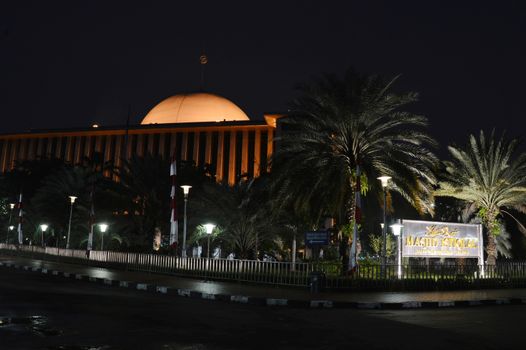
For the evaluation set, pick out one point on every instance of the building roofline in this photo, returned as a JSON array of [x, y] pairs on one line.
[[139, 127]]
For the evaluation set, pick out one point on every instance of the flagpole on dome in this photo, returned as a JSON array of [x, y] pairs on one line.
[[203, 60]]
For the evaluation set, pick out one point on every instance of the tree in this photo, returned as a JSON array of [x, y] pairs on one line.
[[142, 196], [51, 203], [26, 178], [375, 242], [339, 128], [490, 177], [241, 213], [200, 237]]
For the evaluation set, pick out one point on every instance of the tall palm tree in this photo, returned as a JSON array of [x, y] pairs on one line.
[[342, 130], [455, 210], [490, 177]]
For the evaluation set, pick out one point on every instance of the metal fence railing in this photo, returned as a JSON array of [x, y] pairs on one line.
[[282, 273], [416, 275]]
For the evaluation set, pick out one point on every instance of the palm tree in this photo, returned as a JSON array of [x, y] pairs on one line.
[[490, 177], [51, 202], [27, 177], [455, 210], [199, 236], [241, 213], [342, 130], [142, 198]]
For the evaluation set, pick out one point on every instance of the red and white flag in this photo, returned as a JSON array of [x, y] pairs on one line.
[[174, 230]]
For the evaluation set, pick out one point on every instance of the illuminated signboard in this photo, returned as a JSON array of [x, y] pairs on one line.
[[428, 239]]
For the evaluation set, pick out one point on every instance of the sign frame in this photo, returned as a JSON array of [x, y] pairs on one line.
[[479, 236]]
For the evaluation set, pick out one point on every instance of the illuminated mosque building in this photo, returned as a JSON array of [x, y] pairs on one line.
[[201, 127]]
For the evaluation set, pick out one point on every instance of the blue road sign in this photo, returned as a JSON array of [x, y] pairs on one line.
[[316, 238]]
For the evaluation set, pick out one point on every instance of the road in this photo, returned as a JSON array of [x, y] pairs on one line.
[[74, 314]]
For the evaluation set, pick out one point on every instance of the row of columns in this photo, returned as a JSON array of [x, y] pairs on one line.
[[30, 147]]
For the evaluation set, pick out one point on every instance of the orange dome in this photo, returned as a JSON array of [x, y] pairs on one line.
[[194, 108]]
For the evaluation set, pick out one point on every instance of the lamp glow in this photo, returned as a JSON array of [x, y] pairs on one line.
[[209, 228], [72, 199], [186, 189], [397, 228], [12, 205], [103, 227], [44, 227], [384, 180], [11, 228]]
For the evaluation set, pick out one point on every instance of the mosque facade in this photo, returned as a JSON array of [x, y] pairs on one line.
[[200, 127]]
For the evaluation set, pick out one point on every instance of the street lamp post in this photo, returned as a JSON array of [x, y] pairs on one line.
[[385, 182], [103, 228], [72, 200], [43, 229], [380, 252], [10, 228], [209, 228], [397, 230], [186, 190], [11, 207]]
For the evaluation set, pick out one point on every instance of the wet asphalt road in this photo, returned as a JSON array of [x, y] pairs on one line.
[[81, 315]]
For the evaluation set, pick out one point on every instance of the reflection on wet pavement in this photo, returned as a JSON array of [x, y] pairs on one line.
[[35, 324], [39, 326]]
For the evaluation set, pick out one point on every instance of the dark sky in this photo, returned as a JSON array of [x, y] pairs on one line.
[[69, 64]]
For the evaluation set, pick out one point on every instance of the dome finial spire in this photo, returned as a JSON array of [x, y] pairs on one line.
[[203, 60]]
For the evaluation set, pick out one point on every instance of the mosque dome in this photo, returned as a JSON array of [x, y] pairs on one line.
[[194, 108]]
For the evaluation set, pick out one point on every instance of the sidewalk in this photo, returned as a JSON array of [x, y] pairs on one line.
[[266, 295]]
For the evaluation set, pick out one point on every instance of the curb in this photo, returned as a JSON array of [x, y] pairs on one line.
[[272, 302]]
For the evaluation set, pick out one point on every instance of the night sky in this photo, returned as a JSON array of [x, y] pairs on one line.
[[69, 64]]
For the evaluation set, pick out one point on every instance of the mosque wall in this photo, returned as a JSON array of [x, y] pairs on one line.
[[231, 151]]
